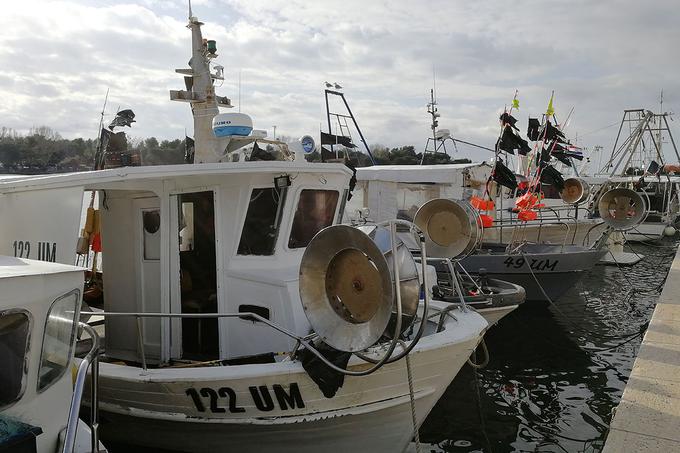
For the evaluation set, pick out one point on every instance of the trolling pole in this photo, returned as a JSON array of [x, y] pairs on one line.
[[98, 154], [351, 116]]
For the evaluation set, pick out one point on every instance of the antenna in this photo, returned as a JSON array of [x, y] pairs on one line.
[[434, 82], [239, 90], [99, 156]]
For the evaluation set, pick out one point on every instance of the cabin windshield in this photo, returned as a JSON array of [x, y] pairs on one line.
[[14, 331], [263, 219], [411, 196], [57, 347], [315, 211]]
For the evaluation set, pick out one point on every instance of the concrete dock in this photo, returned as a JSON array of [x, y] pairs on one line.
[[648, 417]]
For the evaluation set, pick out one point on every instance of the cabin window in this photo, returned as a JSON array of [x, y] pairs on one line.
[[57, 346], [315, 211], [186, 223], [261, 226], [198, 274], [14, 336], [151, 220]]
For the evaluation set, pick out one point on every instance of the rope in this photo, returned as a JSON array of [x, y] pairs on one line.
[[633, 289], [576, 326], [485, 362], [416, 434], [482, 422]]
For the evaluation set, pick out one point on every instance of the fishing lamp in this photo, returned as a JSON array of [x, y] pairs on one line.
[[281, 182], [212, 46]]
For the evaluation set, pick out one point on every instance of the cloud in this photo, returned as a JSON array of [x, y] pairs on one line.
[[599, 57]]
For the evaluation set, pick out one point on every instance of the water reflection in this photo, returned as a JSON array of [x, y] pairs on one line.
[[556, 372]]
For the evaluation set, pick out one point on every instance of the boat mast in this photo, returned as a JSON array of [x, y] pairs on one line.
[[200, 93]]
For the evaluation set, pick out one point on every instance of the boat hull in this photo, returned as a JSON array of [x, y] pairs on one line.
[[556, 271], [277, 407], [646, 232], [582, 232], [495, 314]]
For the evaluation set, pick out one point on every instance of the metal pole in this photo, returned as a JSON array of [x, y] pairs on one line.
[[72, 424], [610, 162], [140, 340], [328, 117], [94, 402], [675, 148], [357, 126]]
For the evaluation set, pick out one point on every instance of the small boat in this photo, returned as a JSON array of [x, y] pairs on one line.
[[545, 271], [403, 189], [39, 308], [492, 298]]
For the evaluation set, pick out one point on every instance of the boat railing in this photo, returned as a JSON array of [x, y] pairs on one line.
[[248, 316], [306, 341], [519, 229], [91, 360]]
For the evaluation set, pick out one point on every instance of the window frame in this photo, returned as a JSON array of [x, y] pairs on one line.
[[279, 219], [72, 348], [24, 377], [298, 194]]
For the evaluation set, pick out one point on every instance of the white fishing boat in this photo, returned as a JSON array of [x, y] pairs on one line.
[[238, 312], [638, 162], [522, 255], [39, 305]]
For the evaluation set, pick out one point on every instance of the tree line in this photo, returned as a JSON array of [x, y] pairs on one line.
[[44, 150]]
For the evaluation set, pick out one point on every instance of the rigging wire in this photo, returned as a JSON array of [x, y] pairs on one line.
[[576, 326]]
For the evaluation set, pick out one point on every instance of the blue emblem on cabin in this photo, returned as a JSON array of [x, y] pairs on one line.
[[308, 144]]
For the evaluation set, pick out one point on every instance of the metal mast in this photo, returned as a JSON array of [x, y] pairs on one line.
[[200, 93], [643, 123]]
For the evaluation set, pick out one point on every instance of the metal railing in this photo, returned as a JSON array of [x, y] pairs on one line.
[[306, 341], [91, 359]]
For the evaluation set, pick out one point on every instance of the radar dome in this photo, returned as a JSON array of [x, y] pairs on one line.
[[230, 124]]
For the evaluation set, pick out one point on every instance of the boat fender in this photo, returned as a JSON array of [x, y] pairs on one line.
[[328, 380], [669, 231], [89, 220]]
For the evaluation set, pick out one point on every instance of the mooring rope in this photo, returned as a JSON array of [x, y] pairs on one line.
[[485, 362], [628, 337], [416, 434]]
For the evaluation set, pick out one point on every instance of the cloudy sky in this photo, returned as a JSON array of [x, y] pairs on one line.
[[57, 59]]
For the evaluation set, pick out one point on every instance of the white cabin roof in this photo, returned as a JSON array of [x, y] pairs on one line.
[[159, 172], [415, 173], [20, 267]]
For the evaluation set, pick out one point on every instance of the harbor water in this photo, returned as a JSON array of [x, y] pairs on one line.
[[556, 372]]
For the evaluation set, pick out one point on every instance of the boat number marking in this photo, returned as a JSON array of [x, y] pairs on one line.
[[261, 396], [46, 251], [536, 265]]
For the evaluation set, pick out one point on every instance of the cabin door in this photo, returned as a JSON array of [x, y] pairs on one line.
[[148, 275], [195, 264]]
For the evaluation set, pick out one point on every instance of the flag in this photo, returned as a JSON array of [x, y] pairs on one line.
[[551, 110], [123, 118], [515, 103], [189, 149]]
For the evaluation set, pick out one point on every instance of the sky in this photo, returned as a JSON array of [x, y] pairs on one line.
[[58, 58]]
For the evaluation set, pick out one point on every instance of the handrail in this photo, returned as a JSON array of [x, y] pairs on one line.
[[91, 358], [306, 340]]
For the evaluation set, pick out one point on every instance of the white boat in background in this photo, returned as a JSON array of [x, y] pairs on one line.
[[238, 311], [638, 162], [39, 306]]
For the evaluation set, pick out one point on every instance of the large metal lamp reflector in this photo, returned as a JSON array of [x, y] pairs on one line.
[[345, 288], [622, 209], [451, 227]]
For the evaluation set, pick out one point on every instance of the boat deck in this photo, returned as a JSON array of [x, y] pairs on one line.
[[648, 417]]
